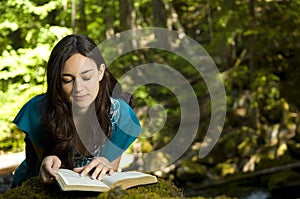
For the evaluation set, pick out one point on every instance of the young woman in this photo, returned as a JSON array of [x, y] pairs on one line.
[[81, 122]]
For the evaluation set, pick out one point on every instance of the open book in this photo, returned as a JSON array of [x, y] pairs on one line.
[[72, 181]]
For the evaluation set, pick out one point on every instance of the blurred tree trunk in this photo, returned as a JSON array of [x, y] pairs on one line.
[[252, 61], [73, 16], [127, 22], [82, 18], [108, 8], [127, 15], [159, 13]]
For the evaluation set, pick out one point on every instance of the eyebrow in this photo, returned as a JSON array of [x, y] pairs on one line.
[[82, 73]]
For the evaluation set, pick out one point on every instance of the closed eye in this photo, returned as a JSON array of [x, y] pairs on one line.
[[67, 79], [87, 75], [86, 78]]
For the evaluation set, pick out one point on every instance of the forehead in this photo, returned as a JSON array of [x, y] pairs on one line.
[[78, 63]]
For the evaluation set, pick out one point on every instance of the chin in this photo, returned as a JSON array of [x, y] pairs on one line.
[[81, 106]]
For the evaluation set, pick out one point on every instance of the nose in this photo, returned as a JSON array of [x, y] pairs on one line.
[[77, 87]]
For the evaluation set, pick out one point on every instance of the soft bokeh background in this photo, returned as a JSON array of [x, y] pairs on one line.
[[254, 43]]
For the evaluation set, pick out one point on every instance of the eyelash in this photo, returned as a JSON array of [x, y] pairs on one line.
[[69, 81], [86, 78]]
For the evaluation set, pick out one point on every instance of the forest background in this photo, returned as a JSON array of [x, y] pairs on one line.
[[254, 44]]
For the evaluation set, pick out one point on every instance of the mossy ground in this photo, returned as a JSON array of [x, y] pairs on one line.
[[33, 188]]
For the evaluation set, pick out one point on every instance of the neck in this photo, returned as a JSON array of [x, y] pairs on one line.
[[85, 118], [88, 128], [80, 112]]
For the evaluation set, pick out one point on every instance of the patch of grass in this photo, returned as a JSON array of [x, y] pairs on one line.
[[33, 188]]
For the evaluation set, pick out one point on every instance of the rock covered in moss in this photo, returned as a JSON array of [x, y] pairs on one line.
[[191, 171], [33, 188]]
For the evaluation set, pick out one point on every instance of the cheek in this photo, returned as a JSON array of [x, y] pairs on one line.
[[67, 89], [93, 88], [96, 87]]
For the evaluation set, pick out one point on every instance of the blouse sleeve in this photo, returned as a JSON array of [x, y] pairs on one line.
[[29, 119], [126, 128]]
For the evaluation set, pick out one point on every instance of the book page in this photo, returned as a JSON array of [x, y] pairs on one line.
[[72, 178], [72, 181], [123, 176]]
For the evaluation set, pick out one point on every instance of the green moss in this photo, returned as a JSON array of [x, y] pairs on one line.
[[33, 188], [163, 189], [191, 171]]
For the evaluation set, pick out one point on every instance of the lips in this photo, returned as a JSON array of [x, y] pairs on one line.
[[79, 97]]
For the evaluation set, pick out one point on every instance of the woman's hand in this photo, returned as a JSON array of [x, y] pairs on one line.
[[49, 168], [100, 167]]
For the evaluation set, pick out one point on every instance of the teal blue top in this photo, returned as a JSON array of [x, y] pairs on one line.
[[125, 129]]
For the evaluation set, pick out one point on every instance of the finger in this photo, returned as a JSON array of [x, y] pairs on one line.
[[103, 173], [43, 178], [78, 169], [98, 169], [56, 165], [52, 173], [47, 179], [111, 171], [45, 173], [48, 168], [89, 167]]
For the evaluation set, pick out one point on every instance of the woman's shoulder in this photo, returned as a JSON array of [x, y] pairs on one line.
[[35, 101], [28, 118], [126, 128], [40, 98], [31, 109], [115, 109], [119, 107], [124, 117]]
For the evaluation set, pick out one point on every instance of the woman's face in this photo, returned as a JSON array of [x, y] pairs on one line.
[[80, 80]]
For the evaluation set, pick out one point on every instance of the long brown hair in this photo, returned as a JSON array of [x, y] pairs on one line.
[[57, 118]]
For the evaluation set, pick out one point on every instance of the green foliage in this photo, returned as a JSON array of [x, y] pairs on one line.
[[25, 50], [13, 141]]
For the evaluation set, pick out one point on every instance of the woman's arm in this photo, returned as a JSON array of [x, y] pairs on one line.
[[49, 165], [101, 166], [38, 150]]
